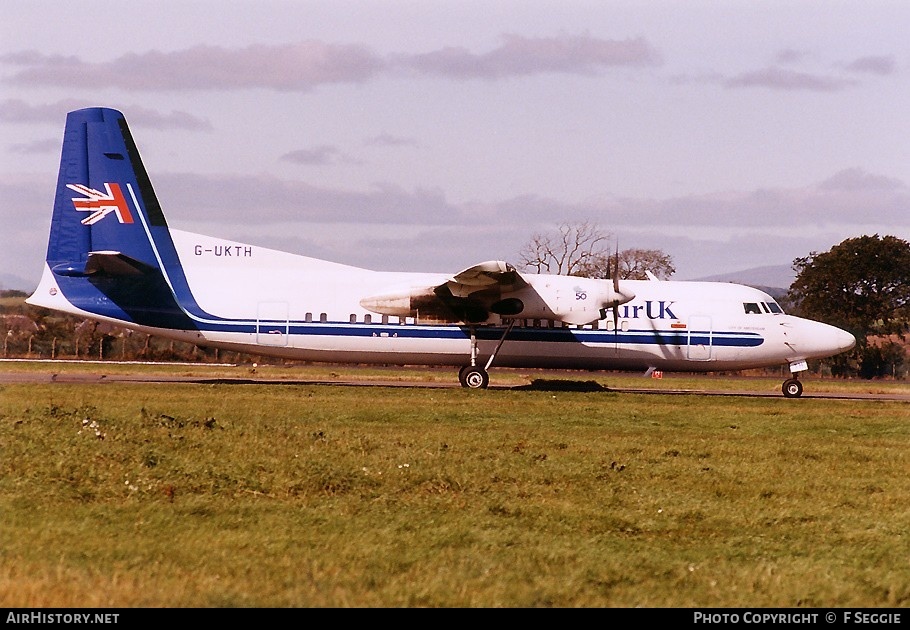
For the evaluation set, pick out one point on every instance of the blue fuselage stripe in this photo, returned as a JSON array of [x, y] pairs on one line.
[[555, 335]]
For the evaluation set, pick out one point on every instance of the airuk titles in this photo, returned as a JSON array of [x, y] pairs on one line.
[[224, 251], [658, 309]]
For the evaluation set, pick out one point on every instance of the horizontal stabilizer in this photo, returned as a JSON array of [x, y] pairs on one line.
[[106, 263], [115, 264]]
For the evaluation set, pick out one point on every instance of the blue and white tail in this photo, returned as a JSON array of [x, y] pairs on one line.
[[110, 255]]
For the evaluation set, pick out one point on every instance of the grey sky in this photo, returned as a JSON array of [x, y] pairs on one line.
[[433, 135]]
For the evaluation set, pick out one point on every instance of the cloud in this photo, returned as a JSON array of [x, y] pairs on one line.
[[856, 179], [447, 249], [812, 206], [320, 155], [882, 66], [26, 198], [521, 56], [850, 199], [51, 145], [776, 77], [145, 117], [373, 227], [18, 111], [306, 65], [780, 79], [791, 56], [267, 200], [287, 67], [388, 140]]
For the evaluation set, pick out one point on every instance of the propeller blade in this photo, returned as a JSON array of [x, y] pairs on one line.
[[615, 273]]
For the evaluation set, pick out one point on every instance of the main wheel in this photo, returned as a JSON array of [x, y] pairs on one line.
[[473, 377], [792, 388]]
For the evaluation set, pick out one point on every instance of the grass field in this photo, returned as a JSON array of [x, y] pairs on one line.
[[268, 495]]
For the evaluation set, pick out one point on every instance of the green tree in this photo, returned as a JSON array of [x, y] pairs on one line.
[[861, 285], [634, 264]]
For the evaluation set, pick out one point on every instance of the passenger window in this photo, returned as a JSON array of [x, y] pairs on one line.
[[323, 318], [308, 317], [367, 319], [751, 308]]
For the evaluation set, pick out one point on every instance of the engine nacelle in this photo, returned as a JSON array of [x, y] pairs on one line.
[[567, 298], [561, 298], [424, 303], [402, 302]]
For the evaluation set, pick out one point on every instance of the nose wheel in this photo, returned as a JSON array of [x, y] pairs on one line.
[[792, 388]]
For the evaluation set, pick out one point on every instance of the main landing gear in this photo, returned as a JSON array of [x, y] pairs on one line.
[[473, 376]]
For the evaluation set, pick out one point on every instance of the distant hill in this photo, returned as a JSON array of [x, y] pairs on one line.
[[9, 281], [774, 280]]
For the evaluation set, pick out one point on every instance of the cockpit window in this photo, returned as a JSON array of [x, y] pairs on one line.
[[774, 307], [757, 308]]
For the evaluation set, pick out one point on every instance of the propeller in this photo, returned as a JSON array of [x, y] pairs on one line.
[[619, 296], [615, 274]]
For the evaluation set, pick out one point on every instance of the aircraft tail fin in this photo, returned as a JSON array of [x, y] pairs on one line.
[[109, 254], [104, 196]]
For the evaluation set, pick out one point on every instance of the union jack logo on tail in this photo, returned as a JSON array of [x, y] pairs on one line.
[[101, 204]]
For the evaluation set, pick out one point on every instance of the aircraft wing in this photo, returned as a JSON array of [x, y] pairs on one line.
[[469, 296], [490, 276]]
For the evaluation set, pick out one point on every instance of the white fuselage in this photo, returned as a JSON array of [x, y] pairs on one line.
[[302, 308]]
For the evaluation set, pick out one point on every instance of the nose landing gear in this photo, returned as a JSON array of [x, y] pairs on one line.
[[792, 388]]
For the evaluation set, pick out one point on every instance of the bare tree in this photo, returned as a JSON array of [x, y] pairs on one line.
[[572, 247], [583, 249]]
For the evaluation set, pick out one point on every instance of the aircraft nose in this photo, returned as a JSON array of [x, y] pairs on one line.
[[833, 340], [817, 340], [843, 340]]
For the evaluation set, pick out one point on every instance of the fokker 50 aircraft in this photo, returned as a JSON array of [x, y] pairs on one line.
[[112, 257]]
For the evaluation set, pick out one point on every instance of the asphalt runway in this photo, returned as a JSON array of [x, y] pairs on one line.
[[536, 385]]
